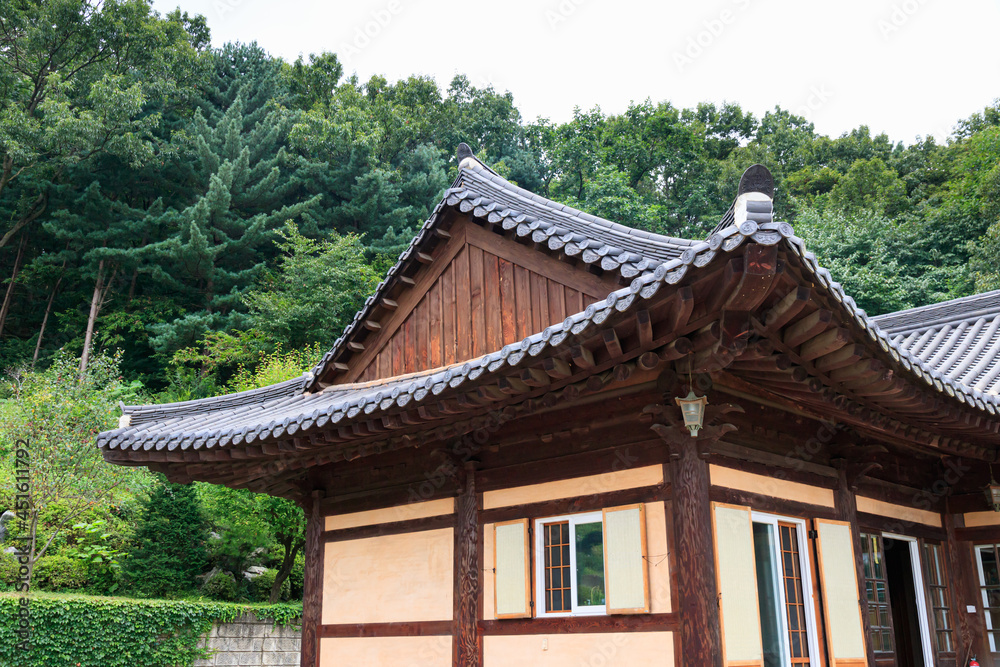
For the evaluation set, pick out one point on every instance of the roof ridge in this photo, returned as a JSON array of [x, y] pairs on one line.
[[903, 322]]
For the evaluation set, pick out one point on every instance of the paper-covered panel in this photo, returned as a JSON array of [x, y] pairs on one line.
[[626, 586], [737, 579], [840, 591], [512, 581]]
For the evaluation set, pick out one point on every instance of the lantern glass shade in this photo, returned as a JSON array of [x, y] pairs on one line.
[[693, 411], [993, 496]]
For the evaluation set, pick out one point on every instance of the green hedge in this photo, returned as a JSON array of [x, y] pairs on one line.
[[83, 631]]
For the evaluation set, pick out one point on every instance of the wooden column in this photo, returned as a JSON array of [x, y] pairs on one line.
[[466, 634], [691, 512], [312, 598], [964, 591], [847, 510], [698, 600]]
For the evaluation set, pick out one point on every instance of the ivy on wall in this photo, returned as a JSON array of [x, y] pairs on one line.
[[82, 631]]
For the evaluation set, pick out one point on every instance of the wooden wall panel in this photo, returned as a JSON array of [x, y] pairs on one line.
[[480, 302]]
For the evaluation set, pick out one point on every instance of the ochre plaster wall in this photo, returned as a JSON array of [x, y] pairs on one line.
[[578, 486], [976, 519], [391, 514], [377, 651], [770, 486], [394, 578], [881, 508], [580, 650], [656, 550]]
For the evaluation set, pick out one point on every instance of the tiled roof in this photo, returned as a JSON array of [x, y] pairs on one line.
[[960, 339], [212, 422], [288, 408]]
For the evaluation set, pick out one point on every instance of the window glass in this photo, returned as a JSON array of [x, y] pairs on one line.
[[572, 564], [989, 582], [768, 595], [877, 593], [590, 564], [937, 586]]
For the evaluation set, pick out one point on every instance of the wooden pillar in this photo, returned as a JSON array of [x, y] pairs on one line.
[[969, 630], [312, 598], [698, 600], [846, 503], [466, 597]]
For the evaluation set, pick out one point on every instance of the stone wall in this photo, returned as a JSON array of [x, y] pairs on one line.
[[251, 641]]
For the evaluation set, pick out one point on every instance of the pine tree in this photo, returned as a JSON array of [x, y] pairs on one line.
[[219, 244], [169, 547]]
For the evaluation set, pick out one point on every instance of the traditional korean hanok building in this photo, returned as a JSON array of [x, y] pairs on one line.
[[496, 469]]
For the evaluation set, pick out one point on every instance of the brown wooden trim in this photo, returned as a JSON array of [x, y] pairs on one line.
[[580, 624], [979, 534], [384, 498], [887, 524], [770, 504], [408, 629], [391, 528], [591, 503], [544, 265], [312, 599], [617, 458]]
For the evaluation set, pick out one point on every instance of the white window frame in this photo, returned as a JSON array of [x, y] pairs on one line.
[[918, 587], [801, 534], [575, 609], [986, 603]]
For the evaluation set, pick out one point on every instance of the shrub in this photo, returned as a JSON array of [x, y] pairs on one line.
[[259, 588], [59, 573], [222, 586], [169, 546]]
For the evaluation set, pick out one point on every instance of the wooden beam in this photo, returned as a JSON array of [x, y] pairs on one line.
[[644, 327], [612, 343], [557, 368], [807, 327], [825, 343], [786, 309], [582, 357]]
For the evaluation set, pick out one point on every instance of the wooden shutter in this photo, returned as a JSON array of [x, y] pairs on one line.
[[511, 558], [626, 581], [839, 578], [736, 574]]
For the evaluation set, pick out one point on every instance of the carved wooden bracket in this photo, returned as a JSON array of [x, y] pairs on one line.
[[858, 461], [669, 425]]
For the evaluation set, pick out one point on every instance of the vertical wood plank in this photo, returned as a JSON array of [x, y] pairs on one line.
[[421, 329], [463, 348], [557, 302], [449, 332], [508, 305], [466, 585], [312, 598], [534, 282], [540, 286], [434, 340], [478, 320], [384, 360], [409, 346], [574, 302], [491, 302], [398, 363], [522, 299]]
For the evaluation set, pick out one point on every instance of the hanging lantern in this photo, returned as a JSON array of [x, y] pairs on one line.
[[693, 411], [992, 492]]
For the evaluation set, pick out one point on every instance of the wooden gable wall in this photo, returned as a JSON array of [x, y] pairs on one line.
[[487, 292]]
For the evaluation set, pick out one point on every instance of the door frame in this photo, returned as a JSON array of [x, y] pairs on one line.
[[918, 589]]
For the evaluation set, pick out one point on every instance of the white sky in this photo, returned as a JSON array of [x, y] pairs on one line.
[[905, 67]]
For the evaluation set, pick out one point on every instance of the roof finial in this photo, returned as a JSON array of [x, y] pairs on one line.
[[757, 178], [464, 151]]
